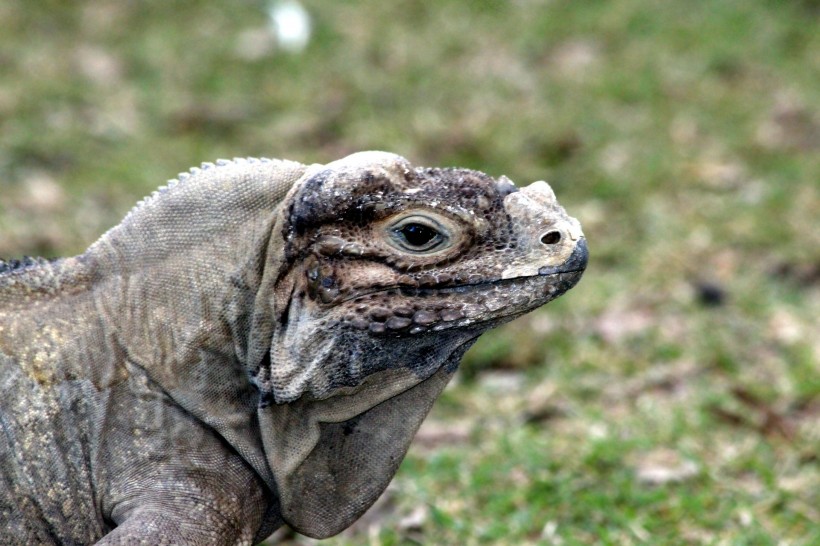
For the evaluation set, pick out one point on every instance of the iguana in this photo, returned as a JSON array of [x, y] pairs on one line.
[[256, 345]]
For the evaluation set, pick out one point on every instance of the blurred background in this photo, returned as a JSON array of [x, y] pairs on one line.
[[673, 397]]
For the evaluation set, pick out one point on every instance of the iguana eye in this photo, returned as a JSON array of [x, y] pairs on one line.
[[418, 234]]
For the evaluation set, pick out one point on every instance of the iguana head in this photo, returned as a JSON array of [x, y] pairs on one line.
[[386, 274], [380, 254]]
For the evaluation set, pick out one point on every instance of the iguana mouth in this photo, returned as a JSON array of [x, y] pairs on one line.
[[576, 263], [417, 291], [483, 285], [484, 304]]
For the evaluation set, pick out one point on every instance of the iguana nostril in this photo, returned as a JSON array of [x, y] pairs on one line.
[[551, 238]]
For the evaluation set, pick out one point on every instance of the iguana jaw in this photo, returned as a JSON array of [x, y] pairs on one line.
[[490, 301]]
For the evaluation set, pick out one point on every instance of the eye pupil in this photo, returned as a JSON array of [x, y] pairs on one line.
[[417, 234]]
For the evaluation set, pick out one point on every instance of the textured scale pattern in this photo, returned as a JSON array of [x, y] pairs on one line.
[[256, 344]]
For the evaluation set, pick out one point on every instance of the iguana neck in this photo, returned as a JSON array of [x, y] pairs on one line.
[[180, 267]]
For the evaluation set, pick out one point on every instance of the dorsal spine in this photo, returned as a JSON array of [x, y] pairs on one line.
[[7, 266]]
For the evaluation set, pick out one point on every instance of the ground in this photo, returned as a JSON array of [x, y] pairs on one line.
[[673, 397]]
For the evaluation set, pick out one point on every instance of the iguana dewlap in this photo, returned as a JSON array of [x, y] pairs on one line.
[[256, 344]]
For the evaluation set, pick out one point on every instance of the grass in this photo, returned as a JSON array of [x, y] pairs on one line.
[[673, 397]]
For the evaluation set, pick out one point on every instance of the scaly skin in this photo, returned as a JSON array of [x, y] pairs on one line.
[[255, 345]]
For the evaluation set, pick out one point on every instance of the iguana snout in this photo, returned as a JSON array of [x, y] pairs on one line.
[[550, 241]]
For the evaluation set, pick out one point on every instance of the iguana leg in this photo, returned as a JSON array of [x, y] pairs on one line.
[[157, 527], [169, 479], [198, 511]]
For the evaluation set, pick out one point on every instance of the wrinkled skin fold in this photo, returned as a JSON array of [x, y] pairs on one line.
[[257, 344]]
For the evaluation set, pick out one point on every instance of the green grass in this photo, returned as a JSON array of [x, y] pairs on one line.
[[684, 136]]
